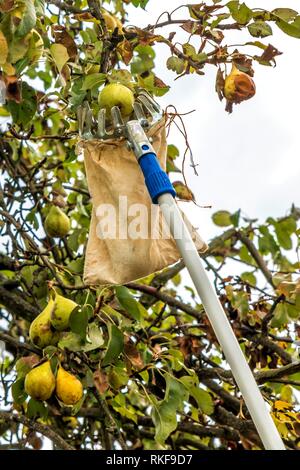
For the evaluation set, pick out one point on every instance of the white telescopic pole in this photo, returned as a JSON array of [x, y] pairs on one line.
[[222, 328]]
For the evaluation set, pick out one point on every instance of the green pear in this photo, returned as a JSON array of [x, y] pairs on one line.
[[40, 382], [116, 94], [40, 331], [57, 223], [61, 312]]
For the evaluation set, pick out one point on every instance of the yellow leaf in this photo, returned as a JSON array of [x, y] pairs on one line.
[[280, 405], [283, 430], [3, 48], [183, 192], [60, 55]]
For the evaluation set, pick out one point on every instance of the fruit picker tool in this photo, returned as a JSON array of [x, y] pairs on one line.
[[147, 113]]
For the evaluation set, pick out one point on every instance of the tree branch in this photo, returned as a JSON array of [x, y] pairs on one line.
[[66, 6], [258, 258], [168, 299], [216, 243], [191, 428], [15, 303], [38, 427], [17, 344]]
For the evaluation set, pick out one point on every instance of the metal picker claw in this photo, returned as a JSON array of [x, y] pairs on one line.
[[145, 110]]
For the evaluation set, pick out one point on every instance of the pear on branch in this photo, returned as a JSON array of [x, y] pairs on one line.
[[61, 312], [116, 94], [40, 382], [238, 87], [57, 223], [40, 331], [68, 388]]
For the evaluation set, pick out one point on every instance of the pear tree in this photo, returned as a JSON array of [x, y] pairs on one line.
[[135, 366]]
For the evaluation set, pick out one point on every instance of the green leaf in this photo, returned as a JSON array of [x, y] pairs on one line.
[[283, 237], [286, 14], [115, 344], [28, 19], [93, 80], [143, 62], [172, 151], [249, 277], [60, 55], [95, 337], [40, 7], [289, 225], [240, 12], [176, 64], [292, 29], [128, 302], [203, 399], [245, 255], [222, 218], [27, 273], [163, 413], [73, 342], [140, 3], [267, 243], [36, 409], [171, 167], [280, 317], [235, 218], [78, 321], [260, 29], [76, 265], [257, 44], [77, 95], [25, 364], [17, 390], [32, 218], [22, 113], [293, 311]]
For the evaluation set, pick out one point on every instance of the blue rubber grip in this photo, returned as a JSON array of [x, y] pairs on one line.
[[156, 180]]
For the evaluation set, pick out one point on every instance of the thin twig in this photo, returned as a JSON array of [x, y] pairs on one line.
[[38, 427]]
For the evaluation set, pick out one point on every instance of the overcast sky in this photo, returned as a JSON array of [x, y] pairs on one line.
[[249, 159]]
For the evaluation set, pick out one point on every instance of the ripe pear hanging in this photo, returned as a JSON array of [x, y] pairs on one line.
[[57, 223], [40, 382], [116, 94], [40, 331], [238, 86], [61, 312], [68, 387]]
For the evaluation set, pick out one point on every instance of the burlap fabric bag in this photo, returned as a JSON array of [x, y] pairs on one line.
[[113, 173]]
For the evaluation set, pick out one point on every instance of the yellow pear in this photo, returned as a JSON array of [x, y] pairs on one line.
[[68, 387], [40, 382], [238, 86], [57, 223], [116, 94], [40, 331], [61, 312]]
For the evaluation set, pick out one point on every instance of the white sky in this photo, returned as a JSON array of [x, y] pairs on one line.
[[249, 159]]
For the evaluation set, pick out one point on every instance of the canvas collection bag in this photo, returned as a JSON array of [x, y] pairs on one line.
[[115, 179]]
